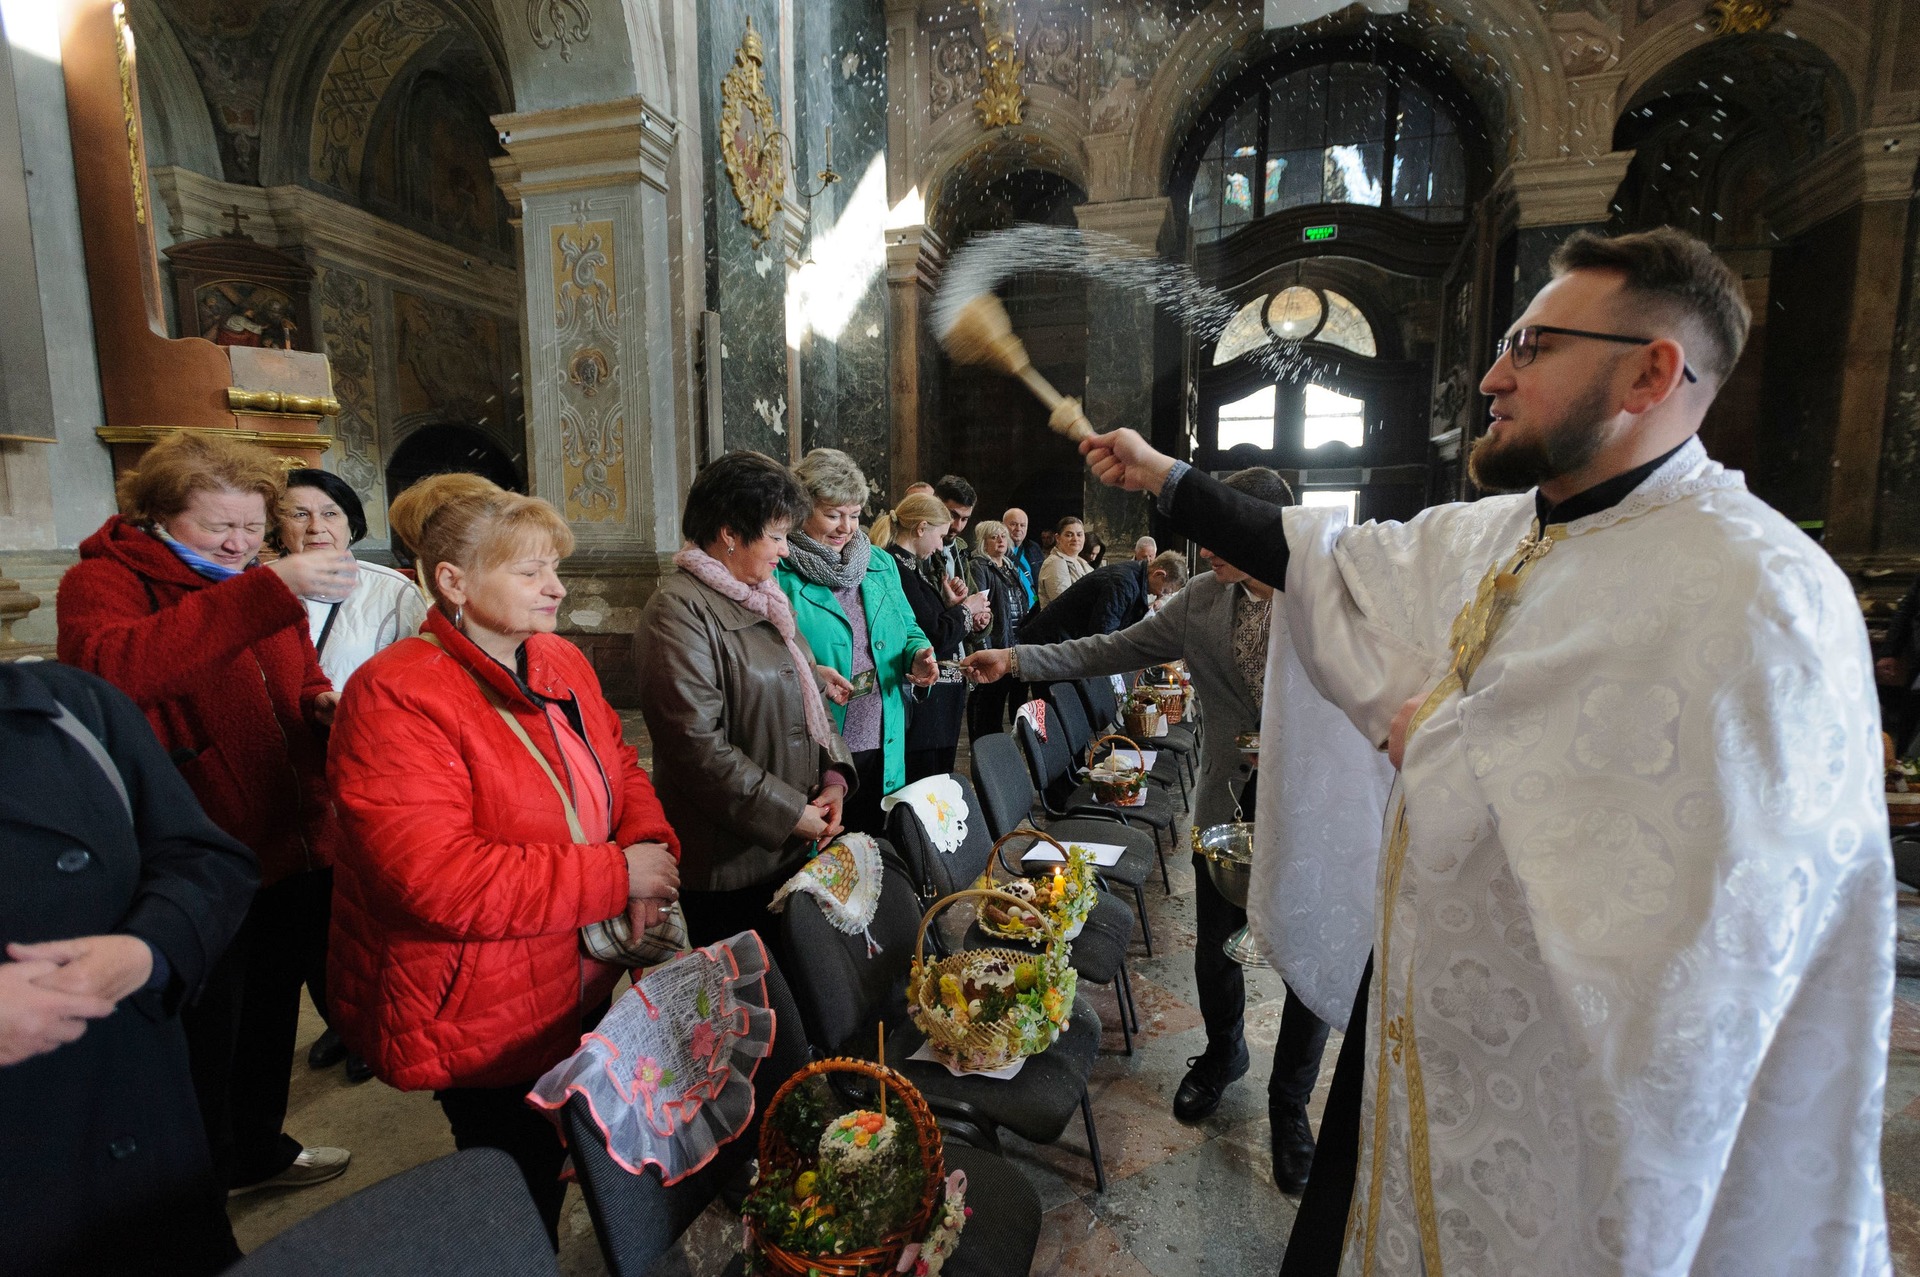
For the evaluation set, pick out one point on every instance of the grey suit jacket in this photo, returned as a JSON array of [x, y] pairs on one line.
[[1195, 625]]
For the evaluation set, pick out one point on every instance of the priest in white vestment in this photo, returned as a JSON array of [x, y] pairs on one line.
[[1633, 922]]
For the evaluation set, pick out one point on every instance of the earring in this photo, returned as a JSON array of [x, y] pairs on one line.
[[729, 547], [459, 615]]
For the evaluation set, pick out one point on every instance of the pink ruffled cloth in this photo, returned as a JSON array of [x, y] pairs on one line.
[[668, 1074]]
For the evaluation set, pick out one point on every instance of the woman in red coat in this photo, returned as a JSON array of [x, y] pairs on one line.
[[464, 761], [167, 604]]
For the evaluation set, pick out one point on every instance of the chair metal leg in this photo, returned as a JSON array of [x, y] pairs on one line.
[[1093, 1143], [1140, 907], [1126, 987], [1120, 1002], [1166, 882]]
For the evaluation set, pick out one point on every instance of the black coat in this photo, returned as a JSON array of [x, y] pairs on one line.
[[1104, 601], [1006, 596], [936, 720], [103, 1159]]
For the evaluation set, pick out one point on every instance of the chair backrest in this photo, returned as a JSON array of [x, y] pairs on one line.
[[1001, 778], [841, 989], [1102, 706], [1050, 763], [636, 1217], [938, 873], [469, 1212], [1072, 717]]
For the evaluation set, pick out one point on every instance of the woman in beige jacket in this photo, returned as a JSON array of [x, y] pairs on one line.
[[1063, 564]]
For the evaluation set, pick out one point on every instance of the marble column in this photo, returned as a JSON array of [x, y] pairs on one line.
[[1555, 198], [1120, 365], [589, 185], [1870, 176], [915, 258]]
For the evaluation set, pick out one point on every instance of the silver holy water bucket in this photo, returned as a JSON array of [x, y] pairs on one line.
[[1228, 851]]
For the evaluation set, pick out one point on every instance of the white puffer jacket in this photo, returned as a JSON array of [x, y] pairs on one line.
[[384, 608]]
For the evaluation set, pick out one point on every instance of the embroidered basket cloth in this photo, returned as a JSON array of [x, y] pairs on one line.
[[943, 812], [668, 1074], [845, 878]]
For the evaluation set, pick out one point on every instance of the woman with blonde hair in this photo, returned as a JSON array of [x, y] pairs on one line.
[[920, 524], [169, 604], [492, 810], [847, 600]]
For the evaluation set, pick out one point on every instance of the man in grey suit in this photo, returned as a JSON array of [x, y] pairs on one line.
[[1218, 624]]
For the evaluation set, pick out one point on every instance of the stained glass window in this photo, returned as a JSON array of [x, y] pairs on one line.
[[1347, 327], [1242, 333]]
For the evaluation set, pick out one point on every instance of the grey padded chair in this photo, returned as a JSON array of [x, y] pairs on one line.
[[638, 1219], [1099, 951], [1173, 767], [466, 1213], [1005, 786], [844, 991]]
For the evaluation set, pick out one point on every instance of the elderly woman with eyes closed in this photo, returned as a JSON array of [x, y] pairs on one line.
[[848, 603], [168, 603], [750, 768]]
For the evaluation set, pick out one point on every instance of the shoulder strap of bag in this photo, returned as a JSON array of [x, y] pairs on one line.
[[326, 631], [65, 720], [566, 800]]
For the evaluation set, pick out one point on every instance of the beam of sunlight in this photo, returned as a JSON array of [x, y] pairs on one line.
[[910, 211], [845, 259], [33, 26]]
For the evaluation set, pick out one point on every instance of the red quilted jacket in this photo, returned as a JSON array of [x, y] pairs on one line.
[[459, 895], [227, 676]]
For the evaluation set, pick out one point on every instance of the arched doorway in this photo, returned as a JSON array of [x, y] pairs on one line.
[[446, 448]]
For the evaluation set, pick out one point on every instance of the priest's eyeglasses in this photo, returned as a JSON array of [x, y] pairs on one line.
[[1525, 344]]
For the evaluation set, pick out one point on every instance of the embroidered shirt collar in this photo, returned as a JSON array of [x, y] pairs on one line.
[[1601, 496]]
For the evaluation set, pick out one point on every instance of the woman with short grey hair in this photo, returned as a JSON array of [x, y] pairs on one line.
[[848, 603]]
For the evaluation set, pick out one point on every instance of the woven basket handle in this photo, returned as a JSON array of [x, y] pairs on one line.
[[1038, 835], [1139, 755], [1025, 906]]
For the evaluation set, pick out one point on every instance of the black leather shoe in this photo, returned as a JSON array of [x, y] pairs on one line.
[[1207, 1079], [327, 1050], [1292, 1148], [358, 1070]]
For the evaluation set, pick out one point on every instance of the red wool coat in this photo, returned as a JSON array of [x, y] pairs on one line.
[[459, 895], [226, 674]]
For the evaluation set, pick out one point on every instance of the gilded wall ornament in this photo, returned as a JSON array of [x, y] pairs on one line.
[[561, 22], [1740, 17], [136, 164], [751, 143], [1001, 93], [588, 370]]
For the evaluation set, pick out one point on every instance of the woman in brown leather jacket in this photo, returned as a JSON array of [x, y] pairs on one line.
[[746, 760]]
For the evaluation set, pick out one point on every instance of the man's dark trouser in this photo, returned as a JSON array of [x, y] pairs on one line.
[[1223, 1000], [1320, 1227]]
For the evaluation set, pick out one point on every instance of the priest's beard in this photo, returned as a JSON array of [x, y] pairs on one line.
[[1513, 464]]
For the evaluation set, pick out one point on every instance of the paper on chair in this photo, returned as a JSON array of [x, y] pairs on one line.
[[1105, 854]]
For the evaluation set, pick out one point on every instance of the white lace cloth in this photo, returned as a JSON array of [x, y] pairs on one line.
[[943, 812], [668, 1073], [846, 878]]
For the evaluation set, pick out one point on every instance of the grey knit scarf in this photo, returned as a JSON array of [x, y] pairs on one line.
[[821, 565]]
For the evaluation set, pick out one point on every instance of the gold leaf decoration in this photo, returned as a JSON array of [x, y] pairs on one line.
[[751, 143], [1742, 17], [1001, 94]]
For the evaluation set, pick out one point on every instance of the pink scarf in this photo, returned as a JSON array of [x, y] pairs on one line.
[[766, 601]]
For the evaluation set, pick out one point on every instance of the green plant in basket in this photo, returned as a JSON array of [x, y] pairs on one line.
[[1066, 897], [863, 1182], [1008, 1009]]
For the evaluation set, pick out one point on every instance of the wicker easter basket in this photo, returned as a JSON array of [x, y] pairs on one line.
[[1144, 720], [1069, 918], [1112, 781], [981, 1046], [776, 1151], [1169, 684]]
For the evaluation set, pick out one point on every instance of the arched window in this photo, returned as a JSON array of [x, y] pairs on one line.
[[1296, 313], [1338, 133]]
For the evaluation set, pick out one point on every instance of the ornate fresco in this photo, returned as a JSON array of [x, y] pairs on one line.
[[593, 427], [346, 317], [365, 64], [451, 363], [232, 44]]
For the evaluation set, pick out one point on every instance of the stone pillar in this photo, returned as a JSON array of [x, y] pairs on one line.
[[1120, 365], [1556, 198], [915, 258], [589, 185], [1874, 170]]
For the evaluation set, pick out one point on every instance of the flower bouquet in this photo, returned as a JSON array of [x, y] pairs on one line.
[[1063, 898], [983, 1009], [851, 1192]]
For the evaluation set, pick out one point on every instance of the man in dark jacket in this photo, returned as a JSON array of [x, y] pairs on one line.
[[118, 896], [1105, 600]]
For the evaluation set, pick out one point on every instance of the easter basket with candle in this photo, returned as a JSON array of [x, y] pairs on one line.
[[983, 1009], [1065, 897], [851, 1192]]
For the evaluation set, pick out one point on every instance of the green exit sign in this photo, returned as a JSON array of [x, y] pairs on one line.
[[1319, 234]]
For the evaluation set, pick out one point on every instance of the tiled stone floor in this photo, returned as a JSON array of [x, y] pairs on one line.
[[1181, 1200]]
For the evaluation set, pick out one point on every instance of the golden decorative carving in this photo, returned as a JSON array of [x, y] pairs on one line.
[[751, 143], [1001, 94], [281, 404], [271, 439], [1740, 17], [123, 51]]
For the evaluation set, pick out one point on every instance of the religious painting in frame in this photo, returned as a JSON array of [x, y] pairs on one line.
[[233, 290]]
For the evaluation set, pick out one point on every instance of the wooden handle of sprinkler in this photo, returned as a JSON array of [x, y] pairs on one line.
[[1067, 418]]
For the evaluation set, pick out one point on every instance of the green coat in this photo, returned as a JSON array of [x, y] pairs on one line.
[[892, 636]]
